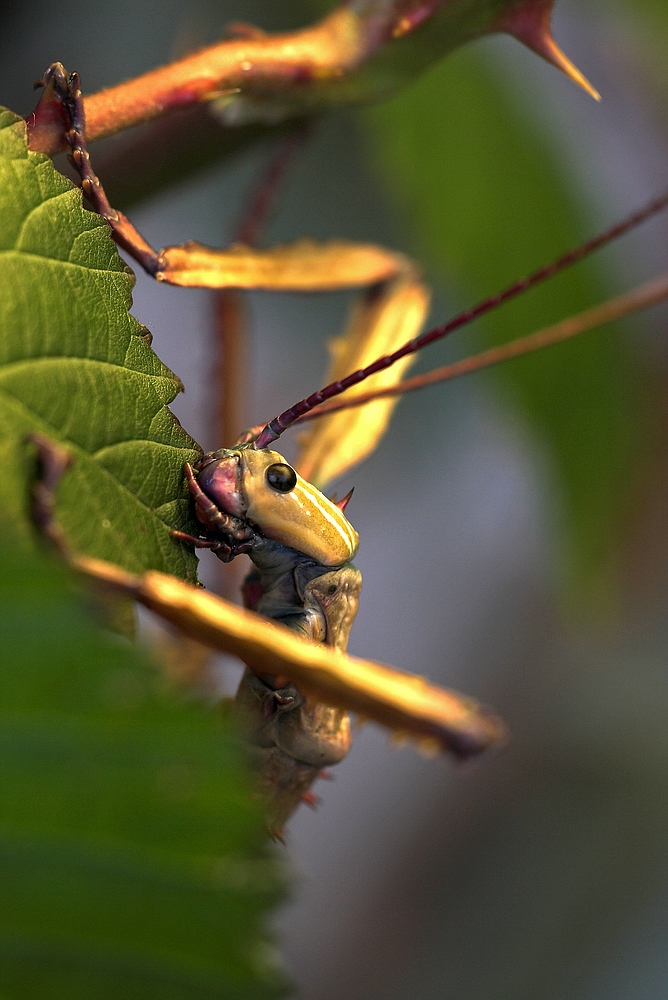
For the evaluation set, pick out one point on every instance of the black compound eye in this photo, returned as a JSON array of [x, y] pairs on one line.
[[281, 477]]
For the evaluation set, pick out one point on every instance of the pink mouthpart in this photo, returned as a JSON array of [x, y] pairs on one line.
[[220, 480]]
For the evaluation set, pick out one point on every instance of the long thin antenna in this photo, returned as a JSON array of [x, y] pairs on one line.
[[642, 297], [275, 427]]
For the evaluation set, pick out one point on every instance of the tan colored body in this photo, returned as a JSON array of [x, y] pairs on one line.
[[303, 519], [292, 739]]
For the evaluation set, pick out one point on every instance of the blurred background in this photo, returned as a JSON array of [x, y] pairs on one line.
[[514, 530]]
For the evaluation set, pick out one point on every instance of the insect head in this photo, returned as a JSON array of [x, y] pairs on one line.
[[258, 487]]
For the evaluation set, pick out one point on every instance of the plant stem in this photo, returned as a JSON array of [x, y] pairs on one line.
[[362, 51], [437, 719]]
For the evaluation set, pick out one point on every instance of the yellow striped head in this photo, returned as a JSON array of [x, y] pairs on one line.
[[259, 486]]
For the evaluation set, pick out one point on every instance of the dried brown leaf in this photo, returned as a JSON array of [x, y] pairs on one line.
[[382, 321], [303, 266]]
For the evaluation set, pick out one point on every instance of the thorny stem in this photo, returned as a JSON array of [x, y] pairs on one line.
[[262, 67], [361, 52], [275, 427], [642, 297]]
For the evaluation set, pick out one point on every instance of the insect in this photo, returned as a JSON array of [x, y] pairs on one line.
[[301, 544], [248, 499]]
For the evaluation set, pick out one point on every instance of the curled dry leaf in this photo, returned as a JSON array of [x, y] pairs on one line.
[[434, 717], [383, 320], [304, 266]]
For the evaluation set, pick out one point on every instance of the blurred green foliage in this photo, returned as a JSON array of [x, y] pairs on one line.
[[646, 29], [74, 365], [133, 857], [487, 202]]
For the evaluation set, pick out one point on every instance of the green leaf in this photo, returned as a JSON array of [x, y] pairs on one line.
[[488, 204], [75, 366], [133, 854]]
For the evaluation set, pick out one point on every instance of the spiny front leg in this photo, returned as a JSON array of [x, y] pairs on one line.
[[237, 535], [66, 89]]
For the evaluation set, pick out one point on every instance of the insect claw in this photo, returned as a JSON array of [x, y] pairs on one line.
[[276, 701], [311, 800], [199, 543], [326, 775]]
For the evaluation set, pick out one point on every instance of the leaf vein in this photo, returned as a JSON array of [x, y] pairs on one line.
[[36, 208], [63, 263], [56, 432]]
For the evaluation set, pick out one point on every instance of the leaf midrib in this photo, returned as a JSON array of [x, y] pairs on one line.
[[65, 263], [77, 359]]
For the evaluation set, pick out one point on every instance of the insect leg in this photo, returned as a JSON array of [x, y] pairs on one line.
[[54, 460], [199, 543], [68, 91], [237, 535]]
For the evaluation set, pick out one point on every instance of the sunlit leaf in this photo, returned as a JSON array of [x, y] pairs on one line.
[[74, 365]]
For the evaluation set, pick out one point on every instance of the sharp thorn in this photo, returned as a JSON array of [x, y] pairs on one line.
[[530, 23], [342, 504], [554, 55]]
